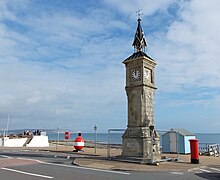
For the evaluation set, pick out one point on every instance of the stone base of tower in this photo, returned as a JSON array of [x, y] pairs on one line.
[[141, 144]]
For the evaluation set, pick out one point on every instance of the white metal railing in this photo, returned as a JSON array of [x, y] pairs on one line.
[[109, 141], [213, 150]]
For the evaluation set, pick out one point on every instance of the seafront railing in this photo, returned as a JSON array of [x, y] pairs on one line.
[[211, 149], [109, 140]]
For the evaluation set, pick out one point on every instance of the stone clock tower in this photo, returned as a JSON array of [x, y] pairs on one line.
[[140, 140]]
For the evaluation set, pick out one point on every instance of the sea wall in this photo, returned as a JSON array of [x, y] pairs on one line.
[[39, 141], [13, 142], [35, 141]]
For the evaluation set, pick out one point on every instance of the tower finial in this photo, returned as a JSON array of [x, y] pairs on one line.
[[138, 12], [139, 39]]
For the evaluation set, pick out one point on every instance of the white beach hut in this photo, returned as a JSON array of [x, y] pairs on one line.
[[177, 141]]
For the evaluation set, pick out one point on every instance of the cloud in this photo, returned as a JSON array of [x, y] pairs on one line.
[[188, 55], [4, 12], [187, 74], [38, 95], [148, 7], [60, 68], [61, 65]]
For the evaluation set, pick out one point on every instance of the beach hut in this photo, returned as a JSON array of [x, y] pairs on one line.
[[177, 141]]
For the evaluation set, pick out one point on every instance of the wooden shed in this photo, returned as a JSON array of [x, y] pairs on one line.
[[177, 141]]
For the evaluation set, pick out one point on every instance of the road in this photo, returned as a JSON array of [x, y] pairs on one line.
[[31, 165]]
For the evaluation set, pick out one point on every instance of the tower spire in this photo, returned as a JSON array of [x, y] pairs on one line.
[[139, 39]]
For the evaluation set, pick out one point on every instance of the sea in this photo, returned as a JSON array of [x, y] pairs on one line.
[[116, 138]]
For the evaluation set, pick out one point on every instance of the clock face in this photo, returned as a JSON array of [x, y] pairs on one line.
[[147, 73], [135, 74]]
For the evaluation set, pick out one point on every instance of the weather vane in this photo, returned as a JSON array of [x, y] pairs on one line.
[[139, 13]]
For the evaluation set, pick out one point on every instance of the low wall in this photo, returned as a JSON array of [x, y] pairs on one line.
[[39, 141], [13, 142]]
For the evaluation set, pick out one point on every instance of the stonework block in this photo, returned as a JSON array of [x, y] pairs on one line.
[[137, 142]]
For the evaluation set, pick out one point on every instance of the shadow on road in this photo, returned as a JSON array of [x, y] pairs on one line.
[[209, 176]]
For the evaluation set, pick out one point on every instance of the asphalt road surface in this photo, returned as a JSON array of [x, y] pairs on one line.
[[31, 165]]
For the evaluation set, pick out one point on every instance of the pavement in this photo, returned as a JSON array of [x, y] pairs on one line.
[[99, 160]]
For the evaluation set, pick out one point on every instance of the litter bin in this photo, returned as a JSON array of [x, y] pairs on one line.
[[194, 149]]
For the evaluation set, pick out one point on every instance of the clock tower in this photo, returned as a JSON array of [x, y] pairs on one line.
[[140, 140]]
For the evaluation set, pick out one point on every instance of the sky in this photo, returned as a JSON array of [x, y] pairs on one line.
[[61, 63]]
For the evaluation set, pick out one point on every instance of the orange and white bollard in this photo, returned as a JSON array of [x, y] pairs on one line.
[[78, 143]]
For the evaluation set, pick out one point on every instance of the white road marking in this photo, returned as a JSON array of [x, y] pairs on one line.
[[30, 160], [204, 170], [27, 173], [196, 168], [197, 172], [87, 168], [215, 169], [77, 167], [177, 173], [4, 156]]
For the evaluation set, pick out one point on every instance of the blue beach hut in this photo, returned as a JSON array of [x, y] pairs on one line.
[[177, 141]]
